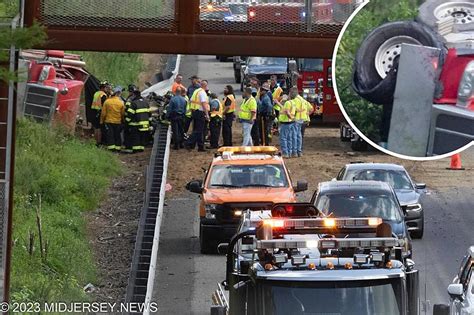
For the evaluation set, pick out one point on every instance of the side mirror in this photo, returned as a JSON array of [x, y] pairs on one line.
[[195, 186], [292, 66], [301, 186], [420, 186], [440, 309], [455, 291], [222, 248]]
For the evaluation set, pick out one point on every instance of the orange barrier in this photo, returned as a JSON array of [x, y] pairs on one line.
[[456, 162]]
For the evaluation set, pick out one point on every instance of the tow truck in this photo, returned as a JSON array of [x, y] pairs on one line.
[[315, 84], [238, 179], [293, 260]]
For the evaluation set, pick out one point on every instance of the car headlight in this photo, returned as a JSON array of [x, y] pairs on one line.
[[414, 207], [210, 208]]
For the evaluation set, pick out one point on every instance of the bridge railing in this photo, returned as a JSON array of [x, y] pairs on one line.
[[305, 18]]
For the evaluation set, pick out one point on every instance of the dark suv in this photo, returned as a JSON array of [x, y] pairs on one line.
[[408, 192], [360, 199]]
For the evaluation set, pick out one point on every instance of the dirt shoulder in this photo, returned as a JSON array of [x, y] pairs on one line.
[[324, 155], [113, 226]]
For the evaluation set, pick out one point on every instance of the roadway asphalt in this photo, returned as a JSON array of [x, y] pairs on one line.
[[186, 279]]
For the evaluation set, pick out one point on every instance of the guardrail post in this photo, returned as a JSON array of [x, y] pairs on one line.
[[187, 14]]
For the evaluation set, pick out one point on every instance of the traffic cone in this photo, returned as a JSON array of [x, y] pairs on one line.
[[456, 162]]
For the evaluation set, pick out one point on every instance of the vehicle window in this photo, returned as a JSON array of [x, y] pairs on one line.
[[310, 64], [266, 61], [216, 15], [238, 9], [360, 204], [341, 174], [464, 264], [380, 297], [396, 179], [237, 176]]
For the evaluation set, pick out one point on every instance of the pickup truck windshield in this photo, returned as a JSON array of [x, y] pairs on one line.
[[239, 176], [335, 297], [267, 61], [397, 179], [359, 204], [308, 64]]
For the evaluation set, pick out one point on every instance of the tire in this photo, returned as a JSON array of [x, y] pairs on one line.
[[418, 234], [432, 11], [241, 85], [207, 246], [238, 76], [440, 309], [222, 58], [358, 145], [375, 73]]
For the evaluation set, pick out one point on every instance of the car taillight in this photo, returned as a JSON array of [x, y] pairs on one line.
[[466, 87]]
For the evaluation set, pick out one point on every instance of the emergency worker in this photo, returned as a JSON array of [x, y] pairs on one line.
[[215, 123], [112, 115], [247, 116], [286, 120], [200, 114], [229, 116], [98, 101]]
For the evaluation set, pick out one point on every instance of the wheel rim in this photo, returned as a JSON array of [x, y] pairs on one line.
[[389, 51], [462, 12]]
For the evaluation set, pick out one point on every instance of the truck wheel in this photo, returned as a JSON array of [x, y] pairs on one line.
[[433, 11], [207, 246], [440, 309], [358, 144], [238, 76], [222, 58], [376, 62], [418, 234]]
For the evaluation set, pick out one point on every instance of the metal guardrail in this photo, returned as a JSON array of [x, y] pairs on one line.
[[140, 284]]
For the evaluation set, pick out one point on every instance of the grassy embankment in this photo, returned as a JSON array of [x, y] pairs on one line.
[[70, 177]]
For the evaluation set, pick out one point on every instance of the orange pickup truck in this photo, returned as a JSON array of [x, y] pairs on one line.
[[238, 179]]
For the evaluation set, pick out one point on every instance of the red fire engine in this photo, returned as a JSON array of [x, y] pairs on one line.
[[315, 84]]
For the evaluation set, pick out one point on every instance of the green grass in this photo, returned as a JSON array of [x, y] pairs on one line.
[[71, 177], [117, 68]]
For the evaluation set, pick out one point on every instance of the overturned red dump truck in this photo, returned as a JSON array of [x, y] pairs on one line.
[[54, 87]]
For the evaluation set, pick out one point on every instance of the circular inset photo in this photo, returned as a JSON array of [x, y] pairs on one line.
[[404, 76]]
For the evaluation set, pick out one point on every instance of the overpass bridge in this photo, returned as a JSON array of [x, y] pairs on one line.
[[297, 28]]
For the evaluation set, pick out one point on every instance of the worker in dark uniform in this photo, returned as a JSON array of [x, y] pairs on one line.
[[128, 131], [265, 114], [175, 114], [139, 113], [215, 123]]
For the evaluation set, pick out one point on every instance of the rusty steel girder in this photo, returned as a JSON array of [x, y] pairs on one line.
[[182, 31]]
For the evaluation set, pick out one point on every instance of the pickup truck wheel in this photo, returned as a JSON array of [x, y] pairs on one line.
[[418, 234], [376, 62], [207, 246], [238, 76], [433, 11]]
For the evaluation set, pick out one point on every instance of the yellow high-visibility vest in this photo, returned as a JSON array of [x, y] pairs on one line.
[[283, 117], [248, 106], [302, 106], [219, 111], [189, 112], [232, 104], [97, 100], [195, 102]]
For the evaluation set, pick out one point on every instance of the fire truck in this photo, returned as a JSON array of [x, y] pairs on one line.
[[54, 86], [292, 260], [315, 84]]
